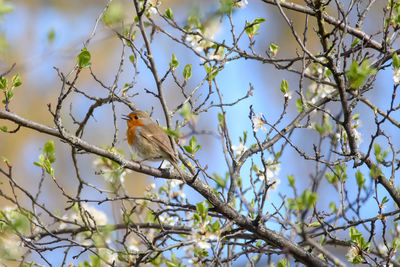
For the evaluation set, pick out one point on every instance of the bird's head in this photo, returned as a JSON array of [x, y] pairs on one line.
[[136, 118]]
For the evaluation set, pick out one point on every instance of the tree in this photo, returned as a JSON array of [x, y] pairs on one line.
[[235, 214]]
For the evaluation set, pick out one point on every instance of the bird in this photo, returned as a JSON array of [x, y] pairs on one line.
[[148, 139]]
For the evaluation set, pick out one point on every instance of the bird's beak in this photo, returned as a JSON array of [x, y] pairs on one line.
[[126, 117]]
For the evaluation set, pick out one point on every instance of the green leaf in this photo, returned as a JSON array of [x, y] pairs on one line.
[[320, 129], [360, 179], [219, 180], [114, 14], [340, 171], [9, 94], [312, 199], [379, 154], [211, 71], [291, 180], [377, 149], [357, 238], [186, 112], [193, 147], [193, 141], [358, 73], [396, 243], [227, 6], [283, 263], [16, 80], [51, 35], [284, 86], [95, 260], [332, 207], [355, 42], [171, 264], [37, 164], [194, 22], [375, 172], [354, 233], [49, 169], [273, 49], [303, 202], [299, 105], [221, 118], [5, 8], [84, 58], [47, 158], [3, 83], [4, 129], [396, 61], [187, 72], [202, 209], [252, 28], [157, 261], [188, 149], [174, 62], [258, 20], [49, 150], [314, 224], [215, 226], [132, 59], [197, 217], [169, 14]]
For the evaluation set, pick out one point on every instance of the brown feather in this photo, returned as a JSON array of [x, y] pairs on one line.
[[156, 135]]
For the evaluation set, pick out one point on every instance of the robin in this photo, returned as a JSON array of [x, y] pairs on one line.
[[149, 140]]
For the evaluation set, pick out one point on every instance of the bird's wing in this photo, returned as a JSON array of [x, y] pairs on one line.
[[156, 135]]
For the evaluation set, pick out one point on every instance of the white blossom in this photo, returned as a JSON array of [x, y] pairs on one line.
[[396, 76], [202, 39], [152, 6], [288, 95], [357, 137], [196, 41], [203, 239], [203, 244], [219, 54], [272, 173], [170, 220], [318, 90], [95, 214], [174, 183], [382, 249], [239, 149], [132, 244], [276, 181], [108, 255], [241, 3], [111, 174], [351, 253], [180, 193], [259, 123], [10, 245]]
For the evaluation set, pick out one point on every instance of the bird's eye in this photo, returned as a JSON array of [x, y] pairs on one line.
[[136, 117]]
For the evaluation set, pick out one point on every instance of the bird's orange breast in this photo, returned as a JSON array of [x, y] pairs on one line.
[[130, 135], [131, 131]]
